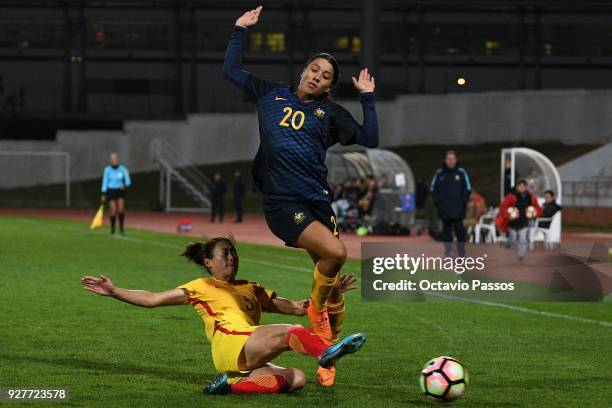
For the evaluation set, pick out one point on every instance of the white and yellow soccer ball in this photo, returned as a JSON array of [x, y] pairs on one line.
[[513, 213], [444, 379], [530, 212]]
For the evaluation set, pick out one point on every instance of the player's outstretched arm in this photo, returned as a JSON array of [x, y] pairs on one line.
[[364, 82], [346, 283], [232, 64], [103, 286], [288, 307], [348, 130], [298, 307], [249, 18]]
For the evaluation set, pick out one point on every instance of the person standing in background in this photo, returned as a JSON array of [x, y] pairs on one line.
[[238, 195], [115, 180], [508, 182], [450, 190], [518, 226], [217, 191]]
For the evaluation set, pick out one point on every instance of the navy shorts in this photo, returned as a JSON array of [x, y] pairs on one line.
[[288, 219]]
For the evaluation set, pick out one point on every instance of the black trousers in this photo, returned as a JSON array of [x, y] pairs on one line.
[[238, 208], [217, 209], [447, 236]]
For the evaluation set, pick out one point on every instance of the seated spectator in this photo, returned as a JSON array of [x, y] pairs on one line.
[[337, 191], [475, 209], [361, 188], [351, 190], [550, 207], [354, 201], [383, 182], [366, 203]]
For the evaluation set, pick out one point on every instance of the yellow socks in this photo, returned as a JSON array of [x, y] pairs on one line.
[[336, 318], [322, 286]]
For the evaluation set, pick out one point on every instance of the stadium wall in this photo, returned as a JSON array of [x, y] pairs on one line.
[[568, 117]]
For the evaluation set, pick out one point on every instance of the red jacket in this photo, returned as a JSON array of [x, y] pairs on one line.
[[503, 219]]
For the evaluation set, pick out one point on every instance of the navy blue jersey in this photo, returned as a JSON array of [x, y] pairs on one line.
[[450, 190], [295, 135]]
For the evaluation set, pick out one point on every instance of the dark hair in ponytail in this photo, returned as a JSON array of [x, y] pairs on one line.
[[196, 252]]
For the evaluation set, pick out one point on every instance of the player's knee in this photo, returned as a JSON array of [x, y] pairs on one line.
[[296, 379], [337, 254]]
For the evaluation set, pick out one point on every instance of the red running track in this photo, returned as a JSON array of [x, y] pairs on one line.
[[252, 230]]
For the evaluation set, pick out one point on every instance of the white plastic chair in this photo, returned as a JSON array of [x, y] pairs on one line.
[[551, 236], [486, 223]]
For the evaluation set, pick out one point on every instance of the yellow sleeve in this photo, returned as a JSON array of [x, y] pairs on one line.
[[193, 288], [264, 296]]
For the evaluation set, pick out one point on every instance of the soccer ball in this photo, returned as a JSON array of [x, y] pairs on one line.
[[513, 213], [444, 379], [530, 212]]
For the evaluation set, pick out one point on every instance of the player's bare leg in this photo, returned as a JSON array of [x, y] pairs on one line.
[[264, 345], [112, 205], [267, 342], [330, 253]]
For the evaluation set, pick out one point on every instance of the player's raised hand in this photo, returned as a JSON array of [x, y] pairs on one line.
[[346, 283], [365, 82], [249, 18], [101, 286]]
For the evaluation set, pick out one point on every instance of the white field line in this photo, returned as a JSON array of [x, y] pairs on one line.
[[520, 309], [542, 313], [525, 310]]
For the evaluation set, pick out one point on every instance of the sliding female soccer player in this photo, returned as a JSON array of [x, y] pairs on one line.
[[242, 350], [115, 180], [296, 128]]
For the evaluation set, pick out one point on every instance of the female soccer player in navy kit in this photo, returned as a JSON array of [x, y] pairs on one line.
[[115, 180], [296, 128]]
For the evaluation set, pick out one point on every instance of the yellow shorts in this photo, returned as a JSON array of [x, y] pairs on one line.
[[226, 346]]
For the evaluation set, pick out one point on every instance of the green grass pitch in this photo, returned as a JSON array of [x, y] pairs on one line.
[[55, 334]]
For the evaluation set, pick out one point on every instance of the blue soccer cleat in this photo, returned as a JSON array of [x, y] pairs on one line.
[[218, 386], [348, 345]]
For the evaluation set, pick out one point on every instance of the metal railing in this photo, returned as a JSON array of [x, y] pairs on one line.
[[591, 193], [175, 166]]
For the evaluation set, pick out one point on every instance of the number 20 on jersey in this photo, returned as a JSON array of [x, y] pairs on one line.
[[295, 119]]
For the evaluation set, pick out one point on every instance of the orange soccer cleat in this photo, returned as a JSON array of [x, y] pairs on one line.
[[319, 320], [326, 376]]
